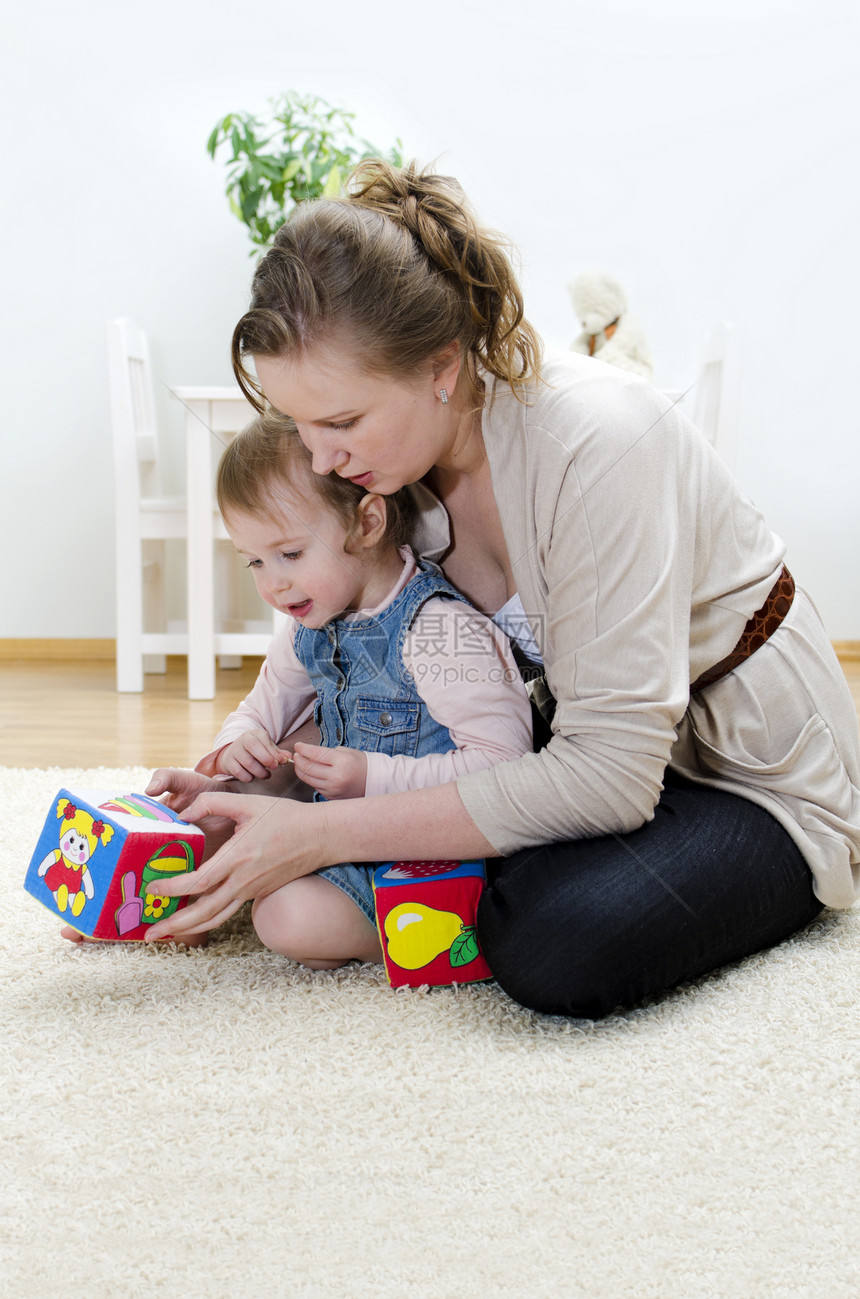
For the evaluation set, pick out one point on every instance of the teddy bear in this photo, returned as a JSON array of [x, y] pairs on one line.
[[609, 331]]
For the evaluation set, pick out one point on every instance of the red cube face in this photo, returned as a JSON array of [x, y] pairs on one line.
[[426, 916], [100, 858]]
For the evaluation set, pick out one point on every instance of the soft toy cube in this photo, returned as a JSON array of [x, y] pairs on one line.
[[100, 857], [426, 912]]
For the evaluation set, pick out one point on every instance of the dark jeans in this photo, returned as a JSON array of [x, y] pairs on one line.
[[582, 928]]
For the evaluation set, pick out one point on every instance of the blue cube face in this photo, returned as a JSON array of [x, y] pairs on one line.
[[91, 858], [75, 859]]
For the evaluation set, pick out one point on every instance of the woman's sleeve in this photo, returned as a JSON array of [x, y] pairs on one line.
[[617, 556], [464, 671], [281, 700]]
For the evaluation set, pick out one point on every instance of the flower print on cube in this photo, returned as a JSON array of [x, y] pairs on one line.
[[100, 858], [425, 912]]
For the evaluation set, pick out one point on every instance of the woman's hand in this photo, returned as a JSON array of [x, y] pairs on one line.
[[259, 857], [336, 773], [254, 756]]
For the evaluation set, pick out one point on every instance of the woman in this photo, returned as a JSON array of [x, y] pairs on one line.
[[698, 796]]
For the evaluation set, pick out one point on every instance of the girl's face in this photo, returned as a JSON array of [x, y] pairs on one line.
[[300, 562], [375, 430]]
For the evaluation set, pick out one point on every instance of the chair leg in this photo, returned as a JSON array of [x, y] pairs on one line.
[[155, 603], [228, 595], [201, 619], [129, 617]]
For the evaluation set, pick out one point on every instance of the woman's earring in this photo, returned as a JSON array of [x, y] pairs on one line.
[[443, 396]]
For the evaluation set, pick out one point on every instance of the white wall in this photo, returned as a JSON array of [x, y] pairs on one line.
[[706, 154]]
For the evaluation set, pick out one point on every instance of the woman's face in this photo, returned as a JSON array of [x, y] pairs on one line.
[[375, 430]]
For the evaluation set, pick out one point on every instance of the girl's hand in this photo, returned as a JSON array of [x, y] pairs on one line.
[[274, 842], [336, 773], [254, 756], [179, 786]]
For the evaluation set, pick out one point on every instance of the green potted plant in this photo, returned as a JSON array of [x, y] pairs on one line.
[[304, 148]]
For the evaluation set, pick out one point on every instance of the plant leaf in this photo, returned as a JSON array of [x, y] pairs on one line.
[[301, 148], [332, 187]]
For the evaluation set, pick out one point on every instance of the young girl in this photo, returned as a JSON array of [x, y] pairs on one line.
[[408, 685]]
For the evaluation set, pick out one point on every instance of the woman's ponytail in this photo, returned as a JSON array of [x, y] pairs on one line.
[[400, 268]]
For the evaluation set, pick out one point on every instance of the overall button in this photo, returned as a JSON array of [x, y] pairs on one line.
[[385, 719]]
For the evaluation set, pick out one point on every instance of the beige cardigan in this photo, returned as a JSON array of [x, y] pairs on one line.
[[638, 562]]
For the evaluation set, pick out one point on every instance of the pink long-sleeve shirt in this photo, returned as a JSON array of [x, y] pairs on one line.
[[462, 667]]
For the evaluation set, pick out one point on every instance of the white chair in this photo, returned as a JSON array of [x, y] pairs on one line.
[[713, 401], [213, 415], [145, 520]]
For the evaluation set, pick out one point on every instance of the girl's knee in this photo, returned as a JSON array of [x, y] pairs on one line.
[[263, 920], [280, 923], [313, 922]]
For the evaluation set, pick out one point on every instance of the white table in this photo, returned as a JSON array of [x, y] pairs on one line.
[[212, 417]]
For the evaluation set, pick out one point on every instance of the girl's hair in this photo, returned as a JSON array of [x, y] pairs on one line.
[[269, 456], [398, 270]]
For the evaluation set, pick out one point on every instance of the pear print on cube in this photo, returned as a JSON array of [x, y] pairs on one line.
[[100, 857], [426, 912]]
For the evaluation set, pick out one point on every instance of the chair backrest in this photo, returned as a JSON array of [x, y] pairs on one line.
[[717, 393], [132, 404]]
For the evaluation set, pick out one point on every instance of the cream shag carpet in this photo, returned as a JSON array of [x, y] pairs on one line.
[[223, 1123]]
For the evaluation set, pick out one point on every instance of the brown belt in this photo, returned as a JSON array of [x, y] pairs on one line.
[[761, 625]]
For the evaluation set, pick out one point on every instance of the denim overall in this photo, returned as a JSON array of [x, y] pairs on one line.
[[367, 700]]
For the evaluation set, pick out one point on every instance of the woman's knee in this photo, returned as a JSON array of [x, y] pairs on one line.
[[582, 929], [549, 963], [578, 929]]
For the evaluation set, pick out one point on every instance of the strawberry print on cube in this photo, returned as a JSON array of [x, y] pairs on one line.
[[100, 858], [425, 911]]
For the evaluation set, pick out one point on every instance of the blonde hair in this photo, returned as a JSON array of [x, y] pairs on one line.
[[269, 455], [398, 270]]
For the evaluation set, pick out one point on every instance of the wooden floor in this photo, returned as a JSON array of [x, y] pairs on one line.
[[69, 715]]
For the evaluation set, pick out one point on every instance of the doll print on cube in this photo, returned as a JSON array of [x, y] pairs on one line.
[[100, 859]]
